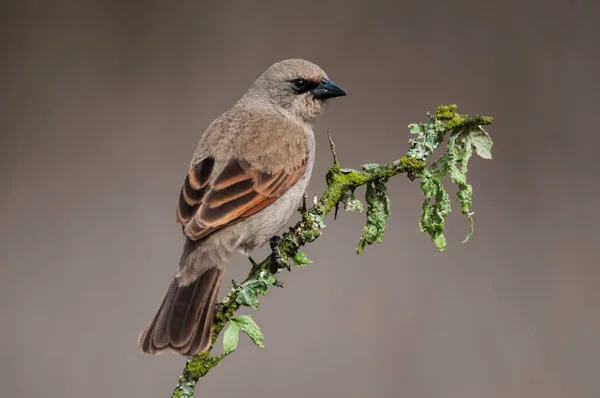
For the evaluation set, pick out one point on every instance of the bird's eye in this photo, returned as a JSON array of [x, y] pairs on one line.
[[299, 84]]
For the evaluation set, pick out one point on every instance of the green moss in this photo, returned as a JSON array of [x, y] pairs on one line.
[[476, 120], [446, 112], [308, 235], [223, 316], [456, 121], [412, 166], [409, 164], [199, 365], [486, 120], [177, 393], [337, 187]]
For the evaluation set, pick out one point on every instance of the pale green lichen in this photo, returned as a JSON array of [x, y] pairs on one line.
[[247, 292], [378, 210], [436, 205], [428, 136], [351, 203]]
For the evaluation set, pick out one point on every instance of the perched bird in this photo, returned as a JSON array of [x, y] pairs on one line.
[[244, 183]]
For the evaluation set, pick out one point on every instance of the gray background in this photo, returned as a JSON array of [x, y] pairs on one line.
[[101, 107]]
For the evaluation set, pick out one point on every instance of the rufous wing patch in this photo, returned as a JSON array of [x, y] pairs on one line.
[[209, 202]]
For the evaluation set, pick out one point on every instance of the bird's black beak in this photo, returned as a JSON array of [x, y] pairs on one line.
[[327, 89]]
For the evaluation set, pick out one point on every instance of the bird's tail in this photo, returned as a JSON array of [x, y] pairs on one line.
[[183, 323]]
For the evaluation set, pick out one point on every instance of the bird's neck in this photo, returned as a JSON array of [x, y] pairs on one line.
[[256, 103]]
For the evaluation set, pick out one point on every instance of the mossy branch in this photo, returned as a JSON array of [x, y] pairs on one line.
[[465, 132]]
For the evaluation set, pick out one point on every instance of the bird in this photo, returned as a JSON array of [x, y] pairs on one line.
[[245, 181]]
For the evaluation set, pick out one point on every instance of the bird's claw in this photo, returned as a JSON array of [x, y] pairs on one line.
[[276, 255], [254, 264]]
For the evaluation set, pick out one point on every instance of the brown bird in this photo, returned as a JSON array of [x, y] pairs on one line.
[[245, 181]]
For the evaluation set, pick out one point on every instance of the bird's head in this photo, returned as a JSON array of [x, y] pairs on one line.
[[297, 87]]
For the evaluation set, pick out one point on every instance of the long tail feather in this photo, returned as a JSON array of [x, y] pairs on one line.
[[183, 323]]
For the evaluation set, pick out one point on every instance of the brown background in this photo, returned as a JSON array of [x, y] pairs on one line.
[[101, 107]]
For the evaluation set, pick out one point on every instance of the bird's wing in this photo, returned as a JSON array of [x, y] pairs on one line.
[[210, 201]]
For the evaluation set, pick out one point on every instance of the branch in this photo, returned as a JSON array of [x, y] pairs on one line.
[[465, 136]]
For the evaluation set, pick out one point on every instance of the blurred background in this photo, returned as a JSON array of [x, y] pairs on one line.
[[101, 107]]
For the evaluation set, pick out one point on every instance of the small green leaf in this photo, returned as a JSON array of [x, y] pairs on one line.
[[268, 280], [231, 337], [246, 324], [300, 259], [248, 294]]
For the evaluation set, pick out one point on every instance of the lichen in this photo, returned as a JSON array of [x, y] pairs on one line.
[[351, 203], [378, 210]]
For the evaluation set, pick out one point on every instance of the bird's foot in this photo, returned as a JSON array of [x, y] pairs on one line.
[[276, 255], [254, 264]]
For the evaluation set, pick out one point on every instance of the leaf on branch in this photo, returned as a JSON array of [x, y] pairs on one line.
[[378, 210], [247, 325], [247, 292], [231, 337], [300, 259]]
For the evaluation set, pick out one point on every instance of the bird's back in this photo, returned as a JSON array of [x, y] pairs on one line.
[[240, 133]]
